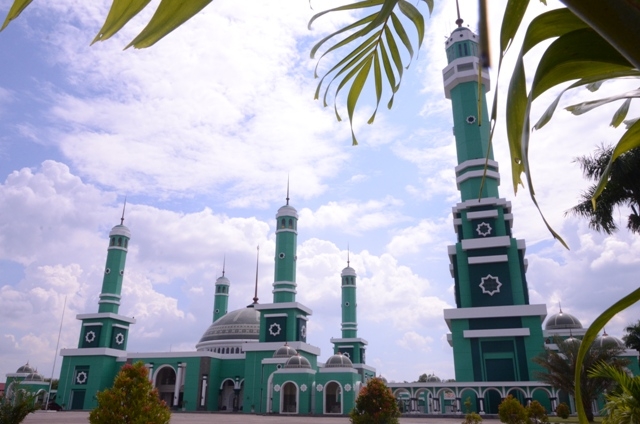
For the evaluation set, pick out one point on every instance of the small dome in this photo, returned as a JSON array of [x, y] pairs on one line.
[[285, 351], [348, 271], [34, 376], [572, 339], [608, 341], [26, 368], [240, 324], [120, 230], [432, 378], [223, 280], [339, 361], [298, 362], [287, 210], [562, 321]]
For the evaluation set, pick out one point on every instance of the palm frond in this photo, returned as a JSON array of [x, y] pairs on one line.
[[378, 57]]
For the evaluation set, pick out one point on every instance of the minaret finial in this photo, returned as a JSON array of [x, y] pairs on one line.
[[459, 21], [255, 294], [123, 208], [224, 263], [348, 255], [287, 189], [560, 306]]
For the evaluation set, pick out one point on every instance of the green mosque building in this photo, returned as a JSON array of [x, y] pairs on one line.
[[258, 360]]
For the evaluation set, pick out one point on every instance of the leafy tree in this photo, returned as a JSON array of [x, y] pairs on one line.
[[623, 403], [623, 189], [423, 378], [375, 405], [536, 413], [470, 416], [563, 410], [560, 369], [15, 405], [131, 400], [511, 411], [632, 338]]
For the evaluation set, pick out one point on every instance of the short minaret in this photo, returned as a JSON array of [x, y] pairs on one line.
[[284, 284], [350, 344], [221, 300], [114, 269], [349, 315]]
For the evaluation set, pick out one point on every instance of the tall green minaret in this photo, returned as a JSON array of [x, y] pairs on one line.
[[350, 344], [103, 335], [284, 320], [495, 332], [284, 285], [221, 298]]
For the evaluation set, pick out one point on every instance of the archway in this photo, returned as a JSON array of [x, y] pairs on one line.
[[227, 396], [165, 382], [332, 398], [289, 398]]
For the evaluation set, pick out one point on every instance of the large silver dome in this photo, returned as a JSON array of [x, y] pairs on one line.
[[562, 321], [241, 324]]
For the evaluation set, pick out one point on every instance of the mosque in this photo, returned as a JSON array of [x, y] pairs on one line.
[[257, 359]]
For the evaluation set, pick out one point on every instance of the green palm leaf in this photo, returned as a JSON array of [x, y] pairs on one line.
[[378, 57], [590, 336], [16, 9]]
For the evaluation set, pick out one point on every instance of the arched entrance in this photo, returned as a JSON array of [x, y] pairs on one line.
[[165, 382], [227, 396], [332, 398], [289, 398]]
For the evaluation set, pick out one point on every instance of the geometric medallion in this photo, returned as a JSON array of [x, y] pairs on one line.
[[490, 285]]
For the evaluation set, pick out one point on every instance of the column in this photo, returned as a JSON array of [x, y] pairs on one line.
[[149, 367], [481, 400], [203, 391], [176, 389]]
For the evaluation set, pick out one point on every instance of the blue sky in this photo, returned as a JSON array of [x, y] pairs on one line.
[[200, 133]]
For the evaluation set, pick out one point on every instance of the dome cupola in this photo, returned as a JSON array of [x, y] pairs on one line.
[[339, 361], [298, 362], [285, 351]]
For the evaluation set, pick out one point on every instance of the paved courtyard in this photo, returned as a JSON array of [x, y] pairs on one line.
[[190, 418]]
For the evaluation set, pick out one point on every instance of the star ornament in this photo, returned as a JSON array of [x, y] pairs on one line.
[[483, 229], [274, 329], [490, 285]]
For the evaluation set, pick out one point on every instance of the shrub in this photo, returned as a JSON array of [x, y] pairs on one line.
[[131, 400], [563, 410], [511, 411], [537, 413], [375, 405], [16, 405], [472, 418]]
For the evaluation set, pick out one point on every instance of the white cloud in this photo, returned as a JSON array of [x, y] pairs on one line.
[[355, 217]]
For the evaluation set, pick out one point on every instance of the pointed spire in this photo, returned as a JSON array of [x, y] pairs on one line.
[[348, 255], [224, 263], [560, 306], [123, 208], [287, 189], [255, 293], [459, 21]]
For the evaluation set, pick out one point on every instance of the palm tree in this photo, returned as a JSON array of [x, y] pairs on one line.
[[632, 338], [623, 189], [560, 367], [623, 403]]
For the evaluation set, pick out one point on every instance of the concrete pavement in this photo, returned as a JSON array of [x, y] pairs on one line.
[[75, 417]]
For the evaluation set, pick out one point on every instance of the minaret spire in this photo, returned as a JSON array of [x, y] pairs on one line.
[[348, 255], [255, 293], [123, 208], [287, 190], [459, 21], [224, 262]]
